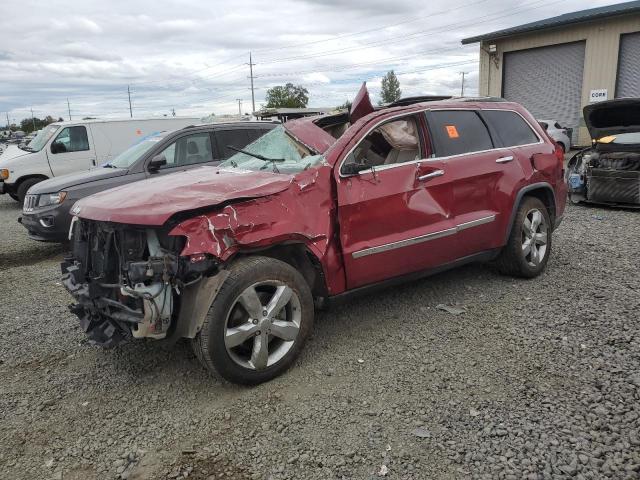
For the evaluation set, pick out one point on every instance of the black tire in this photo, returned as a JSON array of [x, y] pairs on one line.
[[24, 187], [512, 259], [15, 197], [209, 345]]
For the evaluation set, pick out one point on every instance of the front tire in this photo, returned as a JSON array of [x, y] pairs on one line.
[[258, 322], [15, 197], [529, 246], [24, 187]]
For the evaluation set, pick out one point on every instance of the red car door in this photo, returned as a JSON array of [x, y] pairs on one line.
[[482, 175], [395, 218]]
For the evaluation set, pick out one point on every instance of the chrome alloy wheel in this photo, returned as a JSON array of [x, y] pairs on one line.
[[262, 324], [535, 236]]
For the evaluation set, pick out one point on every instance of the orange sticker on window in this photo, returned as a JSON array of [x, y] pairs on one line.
[[452, 131]]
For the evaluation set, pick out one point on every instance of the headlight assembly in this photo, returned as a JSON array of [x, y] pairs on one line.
[[48, 199]]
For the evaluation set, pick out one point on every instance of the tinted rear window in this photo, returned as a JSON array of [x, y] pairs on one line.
[[510, 128], [458, 131]]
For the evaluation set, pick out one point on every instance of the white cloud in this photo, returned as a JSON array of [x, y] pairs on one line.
[[191, 55]]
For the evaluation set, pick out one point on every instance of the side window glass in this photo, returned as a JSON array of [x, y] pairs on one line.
[[255, 134], [238, 138], [510, 127], [189, 150], [455, 132], [170, 154], [394, 142], [71, 139]]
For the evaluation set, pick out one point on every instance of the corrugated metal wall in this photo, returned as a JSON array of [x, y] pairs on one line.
[[600, 62], [547, 81], [628, 84]]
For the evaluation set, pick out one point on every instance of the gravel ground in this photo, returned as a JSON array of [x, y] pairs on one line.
[[538, 379]]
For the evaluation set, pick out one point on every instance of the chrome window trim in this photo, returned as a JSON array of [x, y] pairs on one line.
[[423, 238], [405, 114]]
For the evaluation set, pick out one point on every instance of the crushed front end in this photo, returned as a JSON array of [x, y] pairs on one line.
[[127, 281], [606, 177]]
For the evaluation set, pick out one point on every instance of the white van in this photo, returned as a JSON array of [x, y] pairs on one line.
[[67, 147]]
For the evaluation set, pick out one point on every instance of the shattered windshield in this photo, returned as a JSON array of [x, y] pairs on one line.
[[276, 152], [41, 139], [127, 158]]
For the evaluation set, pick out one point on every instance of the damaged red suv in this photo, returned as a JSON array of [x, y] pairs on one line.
[[234, 257]]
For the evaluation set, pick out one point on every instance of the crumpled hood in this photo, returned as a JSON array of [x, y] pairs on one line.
[[64, 182], [11, 152], [154, 201], [612, 117]]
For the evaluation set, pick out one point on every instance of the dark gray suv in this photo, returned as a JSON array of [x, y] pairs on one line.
[[46, 206]]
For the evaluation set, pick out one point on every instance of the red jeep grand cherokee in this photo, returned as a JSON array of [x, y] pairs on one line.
[[233, 257]]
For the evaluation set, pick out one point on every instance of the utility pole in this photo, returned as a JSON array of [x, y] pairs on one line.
[[8, 123], [239, 100], [173, 112], [129, 93], [69, 109], [253, 98], [33, 120], [462, 89]]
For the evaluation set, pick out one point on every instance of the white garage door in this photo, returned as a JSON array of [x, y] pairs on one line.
[[629, 66], [547, 81]]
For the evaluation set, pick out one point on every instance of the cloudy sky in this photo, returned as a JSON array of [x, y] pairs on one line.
[[192, 56]]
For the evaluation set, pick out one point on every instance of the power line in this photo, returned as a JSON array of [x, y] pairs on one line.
[[400, 38], [376, 29]]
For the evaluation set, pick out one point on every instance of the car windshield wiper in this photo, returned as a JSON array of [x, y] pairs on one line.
[[256, 155], [26, 148], [108, 165]]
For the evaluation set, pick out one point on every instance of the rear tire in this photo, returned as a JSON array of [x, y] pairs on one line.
[[24, 187], [257, 323], [529, 246]]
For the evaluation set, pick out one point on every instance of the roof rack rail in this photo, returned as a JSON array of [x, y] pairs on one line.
[[481, 99], [403, 102]]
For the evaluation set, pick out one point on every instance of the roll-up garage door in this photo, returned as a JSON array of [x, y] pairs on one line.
[[628, 84], [547, 81]]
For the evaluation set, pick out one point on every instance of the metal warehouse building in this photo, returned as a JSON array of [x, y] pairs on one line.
[[556, 66]]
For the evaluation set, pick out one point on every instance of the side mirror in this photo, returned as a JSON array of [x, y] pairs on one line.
[[353, 168], [156, 163], [58, 147]]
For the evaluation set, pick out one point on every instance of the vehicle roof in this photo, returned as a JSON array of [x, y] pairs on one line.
[[308, 130], [115, 120], [234, 125], [454, 102]]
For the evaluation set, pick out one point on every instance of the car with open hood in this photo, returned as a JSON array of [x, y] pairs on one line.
[[46, 205], [235, 257], [608, 172]]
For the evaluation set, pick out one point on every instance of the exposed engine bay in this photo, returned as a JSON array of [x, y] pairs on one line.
[[604, 177], [128, 281]]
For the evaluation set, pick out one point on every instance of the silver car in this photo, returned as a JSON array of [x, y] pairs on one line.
[[557, 132]]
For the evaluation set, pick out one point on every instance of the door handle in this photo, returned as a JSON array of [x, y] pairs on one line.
[[93, 160], [505, 159], [429, 176]]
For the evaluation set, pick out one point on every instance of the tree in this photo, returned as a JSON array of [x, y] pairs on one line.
[[26, 125], [345, 106], [289, 96], [390, 88]]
